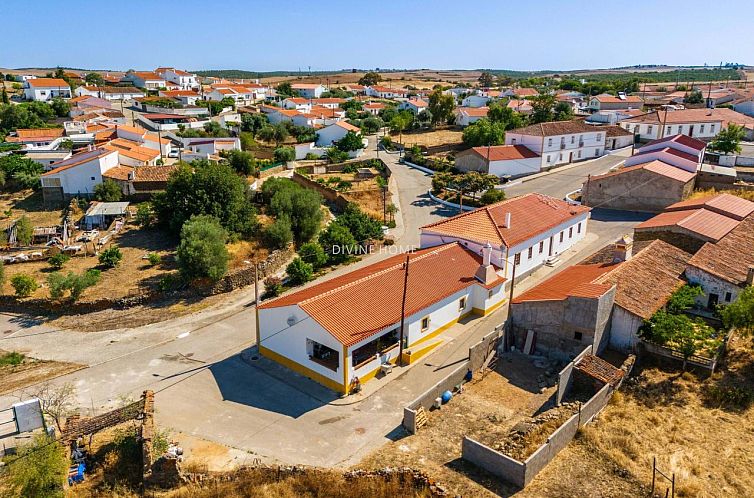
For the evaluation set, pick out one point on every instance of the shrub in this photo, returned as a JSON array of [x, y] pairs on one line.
[[41, 470], [57, 283], [110, 257], [72, 282], [273, 286], [279, 234], [24, 285], [144, 215], [58, 260], [361, 225], [299, 271], [284, 154], [13, 358], [24, 231], [338, 242], [202, 252], [311, 156], [108, 191], [154, 258], [314, 254], [492, 196]]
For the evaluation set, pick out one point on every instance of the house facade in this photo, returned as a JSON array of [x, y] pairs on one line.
[[469, 115], [309, 90], [499, 160], [334, 132], [606, 102], [145, 79], [184, 80], [560, 142], [703, 124], [44, 89], [77, 175]]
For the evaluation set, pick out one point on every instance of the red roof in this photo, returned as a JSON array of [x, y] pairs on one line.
[[681, 139], [729, 205], [474, 111], [531, 214], [505, 152], [48, 83], [359, 304], [575, 281], [670, 150], [656, 166], [707, 224]]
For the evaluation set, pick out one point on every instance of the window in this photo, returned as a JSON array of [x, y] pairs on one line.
[[578, 228], [570, 232], [541, 246], [549, 142], [561, 157], [462, 304], [727, 297], [579, 154], [513, 141], [670, 130], [323, 355], [701, 128], [93, 179], [531, 252], [573, 139], [649, 128], [578, 335], [596, 152], [425, 323], [490, 294], [517, 259], [548, 158], [599, 137], [712, 128], [561, 235]]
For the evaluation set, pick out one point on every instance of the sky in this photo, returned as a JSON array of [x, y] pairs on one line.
[[338, 34]]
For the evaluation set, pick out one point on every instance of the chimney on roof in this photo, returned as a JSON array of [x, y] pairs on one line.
[[507, 220], [750, 275], [623, 249], [486, 272]]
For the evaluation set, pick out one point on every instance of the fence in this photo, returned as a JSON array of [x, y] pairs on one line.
[[565, 377], [522, 473], [695, 360], [478, 355]]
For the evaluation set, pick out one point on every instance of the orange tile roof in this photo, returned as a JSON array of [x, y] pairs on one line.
[[683, 116], [359, 304], [374, 105], [531, 214], [729, 205], [479, 112], [707, 224], [574, 281], [680, 139], [730, 257], [48, 83], [610, 99], [656, 166], [37, 133], [505, 152], [148, 75], [348, 126], [120, 172], [526, 92]]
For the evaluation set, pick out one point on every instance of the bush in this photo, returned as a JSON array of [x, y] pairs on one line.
[[154, 258], [279, 234], [361, 225], [335, 155], [24, 231], [72, 282], [110, 257], [58, 260], [144, 215], [242, 162], [273, 286], [338, 243], [492, 196], [57, 283], [24, 285], [314, 254], [41, 469], [108, 191], [299, 271], [301, 207], [284, 154], [202, 252]]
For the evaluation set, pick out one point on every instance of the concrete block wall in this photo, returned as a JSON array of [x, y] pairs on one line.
[[565, 377], [555, 443], [494, 462]]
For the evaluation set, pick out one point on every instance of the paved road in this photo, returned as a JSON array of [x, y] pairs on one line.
[[205, 389]]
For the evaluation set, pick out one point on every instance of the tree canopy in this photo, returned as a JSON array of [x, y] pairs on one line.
[[484, 132], [202, 252], [299, 205], [370, 79], [728, 141], [441, 107]]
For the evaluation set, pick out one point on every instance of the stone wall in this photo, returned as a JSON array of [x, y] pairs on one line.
[[243, 277], [565, 377], [634, 190], [683, 241]]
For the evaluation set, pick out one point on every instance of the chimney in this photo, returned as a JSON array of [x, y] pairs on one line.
[[486, 272], [507, 220], [623, 249], [750, 275]]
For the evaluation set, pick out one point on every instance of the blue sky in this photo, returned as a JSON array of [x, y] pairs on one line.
[[335, 34]]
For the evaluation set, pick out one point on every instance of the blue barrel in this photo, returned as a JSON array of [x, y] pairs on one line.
[[446, 396]]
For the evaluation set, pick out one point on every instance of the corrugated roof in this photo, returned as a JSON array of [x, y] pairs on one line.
[[357, 305], [707, 224], [531, 214]]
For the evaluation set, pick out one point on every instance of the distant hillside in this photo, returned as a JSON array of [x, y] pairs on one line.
[[237, 74]]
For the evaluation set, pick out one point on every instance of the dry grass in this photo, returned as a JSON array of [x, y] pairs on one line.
[[431, 138], [27, 203], [744, 194], [32, 371]]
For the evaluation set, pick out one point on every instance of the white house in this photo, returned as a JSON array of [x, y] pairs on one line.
[[36, 138], [211, 146], [309, 90], [606, 102], [185, 80], [241, 95], [499, 160], [77, 175], [185, 97], [334, 132], [299, 104], [678, 150], [475, 101], [132, 153], [703, 124], [373, 108], [145, 79], [384, 92], [414, 105], [468, 115], [560, 142], [44, 89], [110, 92], [345, 330], [524, 231]]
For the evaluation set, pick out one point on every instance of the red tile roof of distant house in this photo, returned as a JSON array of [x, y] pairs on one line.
[[348, 126], [148, 75], [475, 112], [297, 100], [720, 114], [78, 159], [505, 152], [669, 150], [48, 83], [417, 102], [526, 92], [610, 99], [730, 257], [359, 304], [574, 281], [180, 93], [708, 225], [519, 104], [305, 86], [531, 214], [729, 205], [681, 139], [374, 105], [36, 134], [328, 100]]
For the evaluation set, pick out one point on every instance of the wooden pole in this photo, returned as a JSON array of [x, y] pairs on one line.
[[403, 311]]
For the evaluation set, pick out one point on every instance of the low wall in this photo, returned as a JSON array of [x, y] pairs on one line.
[[596, 403], [420, 168], [243, 277], [494, 462], [554, 444], [479, 352], [449, 204], [565, 377]]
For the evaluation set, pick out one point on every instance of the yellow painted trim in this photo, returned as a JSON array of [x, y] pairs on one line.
[[256, 313], [373, 373], [345, 369], [440, 329], [485, 312], [305, 371], [414, 354]]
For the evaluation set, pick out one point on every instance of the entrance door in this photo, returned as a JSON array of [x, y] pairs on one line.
[[549, 251], [691, 130], [713, 300], [570, 157]]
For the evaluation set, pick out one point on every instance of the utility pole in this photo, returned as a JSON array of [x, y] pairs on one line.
[[403, 311], [159, 142]]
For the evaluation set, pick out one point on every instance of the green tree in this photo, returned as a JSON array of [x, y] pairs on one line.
[[335, 155], [400, 122], [23, 284], [108, 191], [279, 234], [60, 107], [75, 283], [212, 189], [285, 89], [338, 243], [740, 313], [241, 161], [24, 231], [728, 141], [4, 96], [370, 79], [299, 271], [499, 112], [57, 261], [492, 196], [300, 207], [144, 215], [441, 106], [542, 108], [273, 286], [253, 122], [683, 298], [484, 132], [486, 79], [94, 79], [110, 257], [371, 124], [563, 111], [39, 469], [361, 225], [284, 154], [201, 252], [22, 172], [313, 253], [695, 97], [351, 141]]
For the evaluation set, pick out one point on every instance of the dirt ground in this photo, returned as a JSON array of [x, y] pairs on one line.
[[488, 408], [25, 202], [422, 79], [431, 138], [32, 371]]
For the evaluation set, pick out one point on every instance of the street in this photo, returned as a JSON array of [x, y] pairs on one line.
[[207, 388]]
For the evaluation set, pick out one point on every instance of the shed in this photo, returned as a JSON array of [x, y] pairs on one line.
[[101, 214]]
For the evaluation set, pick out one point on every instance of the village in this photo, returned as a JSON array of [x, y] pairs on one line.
[[389, 282]]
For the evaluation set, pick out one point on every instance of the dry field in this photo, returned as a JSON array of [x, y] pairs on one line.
[[31, 371], [748, 195], [25, 202], [431, 138], [422, 79]]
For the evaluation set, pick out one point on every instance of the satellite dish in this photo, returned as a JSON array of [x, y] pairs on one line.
[[291, 320]]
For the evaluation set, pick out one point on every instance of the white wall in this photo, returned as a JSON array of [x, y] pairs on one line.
[[623, 327], [475, 101], [515, 167], [326, 136], [81, 179], [665, 157], [712, 285]]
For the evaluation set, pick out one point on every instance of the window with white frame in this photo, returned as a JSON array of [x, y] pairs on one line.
[[541, 246], [462, 303], [425, 323], [530, 253], [549, 142]]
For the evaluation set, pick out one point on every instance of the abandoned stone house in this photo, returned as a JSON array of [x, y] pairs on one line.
[[601, 302]]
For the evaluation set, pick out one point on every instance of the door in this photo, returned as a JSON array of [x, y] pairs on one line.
[[549, 250], [691, 130], [713, 300], [570, 157]]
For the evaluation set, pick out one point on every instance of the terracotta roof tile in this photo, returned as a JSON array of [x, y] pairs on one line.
[[726, 204], [730, 257], [505, 152], [48, 83], [555, 128], [574, 281], [709, 225]]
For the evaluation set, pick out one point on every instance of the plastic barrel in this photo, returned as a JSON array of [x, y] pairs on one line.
[[446, 396]]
